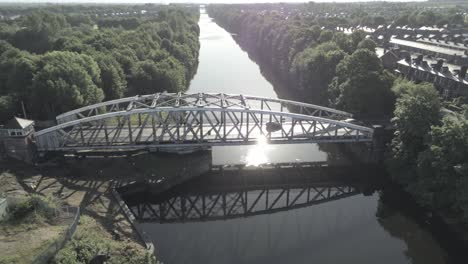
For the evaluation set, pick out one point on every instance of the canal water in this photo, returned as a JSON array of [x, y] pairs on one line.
[[339, 221], [225, 68]]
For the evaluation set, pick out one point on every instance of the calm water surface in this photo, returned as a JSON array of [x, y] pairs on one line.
[[344, 230]]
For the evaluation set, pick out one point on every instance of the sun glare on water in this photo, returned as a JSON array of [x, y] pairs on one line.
[[257, 154]]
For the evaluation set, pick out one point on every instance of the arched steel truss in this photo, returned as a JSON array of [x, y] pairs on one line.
[[193, 207], [175, 120], [197, 100]]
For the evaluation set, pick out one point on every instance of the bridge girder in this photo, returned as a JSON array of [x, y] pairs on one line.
[[170, 126]]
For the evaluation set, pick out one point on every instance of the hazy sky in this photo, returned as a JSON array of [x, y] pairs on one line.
[[191, 1]]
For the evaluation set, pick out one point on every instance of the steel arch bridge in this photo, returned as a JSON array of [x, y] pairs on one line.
[[194, 120]]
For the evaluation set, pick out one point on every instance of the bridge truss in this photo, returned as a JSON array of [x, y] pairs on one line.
[[175, 120]]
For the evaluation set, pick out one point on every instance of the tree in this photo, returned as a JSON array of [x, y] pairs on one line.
[[379, 20], [17, 69], [7, 108], [367, 44], [65, 80], [150, 77], [315, 32], [425, 18], [444, 165], [361, 86], [38, 30], [314, 68], [416, 110], [325, 36], [343, 41], [113, 80], [356, 37]]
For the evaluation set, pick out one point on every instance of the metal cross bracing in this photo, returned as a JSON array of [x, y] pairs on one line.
[[180, 120], [193, 207], [197, 100]]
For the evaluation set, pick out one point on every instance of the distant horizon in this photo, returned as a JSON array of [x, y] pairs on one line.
[[191, 1]]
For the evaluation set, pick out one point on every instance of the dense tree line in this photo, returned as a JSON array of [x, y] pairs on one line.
[[319, 65], [57, 60]]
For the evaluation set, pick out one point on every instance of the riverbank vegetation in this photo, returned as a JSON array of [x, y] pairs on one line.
[[430, 150], [428, 155], [31, 210], [85, 184], [31, 225], [90, 240], [75, 56]]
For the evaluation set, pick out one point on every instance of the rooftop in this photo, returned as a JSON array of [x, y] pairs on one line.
[[429, 47], [18, 123], [448, 44], [450, 74]]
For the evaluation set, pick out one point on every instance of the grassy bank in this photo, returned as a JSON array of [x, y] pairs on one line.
[[102, 226]]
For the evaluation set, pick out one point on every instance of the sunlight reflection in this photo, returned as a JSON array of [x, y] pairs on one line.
[[257, 154]]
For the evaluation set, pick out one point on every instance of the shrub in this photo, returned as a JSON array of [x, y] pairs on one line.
[[81, 249], [32, 206]]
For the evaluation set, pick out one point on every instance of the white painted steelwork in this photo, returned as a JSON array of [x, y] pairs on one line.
[[175, 120]]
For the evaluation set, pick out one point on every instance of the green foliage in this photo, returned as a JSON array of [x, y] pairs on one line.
[[81, 249], [151, 77], [113, 81], [343, 41], [325, 36], [38, 29], [17, 69], [443, 166], [88, 241], [361, 86], [7, 108], [131, 256], [416, 110], [65, 80], [32, 208], [356, 37], [367, 44], [430, 153], [78, 55], [314, 68]]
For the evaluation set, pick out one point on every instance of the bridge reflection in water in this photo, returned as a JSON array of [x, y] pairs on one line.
[[232, 192]]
